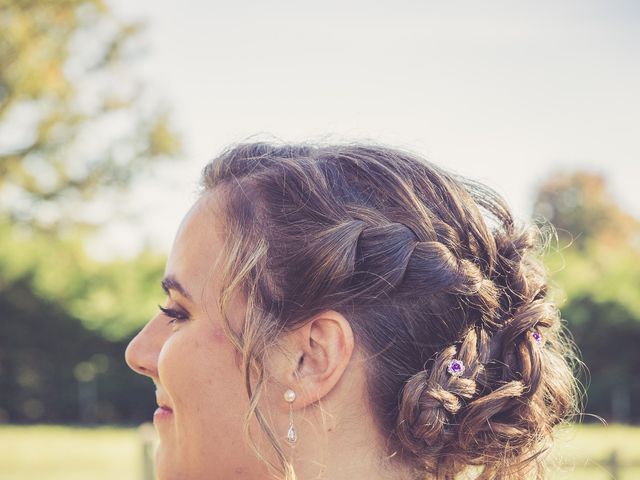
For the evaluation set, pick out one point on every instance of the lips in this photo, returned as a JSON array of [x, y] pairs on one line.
[[162, 413]]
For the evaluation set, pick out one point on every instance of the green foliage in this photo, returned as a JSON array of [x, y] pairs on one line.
[[582, 210], [74, 121], [595, 280], [50, 362], [598, 271], [76, 128], [113, 298]]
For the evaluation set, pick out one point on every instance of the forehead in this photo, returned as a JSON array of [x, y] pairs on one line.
[[197, 244]]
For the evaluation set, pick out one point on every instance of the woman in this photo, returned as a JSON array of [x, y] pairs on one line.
[[352, 312]]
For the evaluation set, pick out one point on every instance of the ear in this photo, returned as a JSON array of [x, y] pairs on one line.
[[317, 355]]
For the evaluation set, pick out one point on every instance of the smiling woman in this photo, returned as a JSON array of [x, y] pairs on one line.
[[346, 311]]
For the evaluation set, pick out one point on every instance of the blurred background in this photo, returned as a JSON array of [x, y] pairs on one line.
[[109, 109]]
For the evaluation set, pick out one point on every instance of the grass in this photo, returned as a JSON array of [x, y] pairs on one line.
[[115, 453], [55, 452], [585, 451]]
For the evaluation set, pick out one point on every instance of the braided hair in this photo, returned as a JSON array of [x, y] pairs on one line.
[[427, 266]]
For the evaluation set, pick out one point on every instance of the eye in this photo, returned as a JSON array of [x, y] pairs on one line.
[[176, 316]]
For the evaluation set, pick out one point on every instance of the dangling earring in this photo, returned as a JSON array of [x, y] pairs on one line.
[[292, 436]]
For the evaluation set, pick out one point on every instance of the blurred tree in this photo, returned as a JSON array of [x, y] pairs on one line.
[[75, 129], [595, 281], [47, 359], [73, 123], [66, 320], [581, 208], [112, 298], [608, 335]]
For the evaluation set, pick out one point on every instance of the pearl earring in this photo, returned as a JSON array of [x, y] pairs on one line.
[[292, 436]]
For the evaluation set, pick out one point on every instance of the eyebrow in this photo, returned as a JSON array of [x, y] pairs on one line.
[[171, 283]]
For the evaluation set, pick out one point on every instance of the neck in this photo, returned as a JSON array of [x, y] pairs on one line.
[[343, 450]]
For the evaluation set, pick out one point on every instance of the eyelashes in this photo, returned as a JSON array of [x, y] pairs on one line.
[[176, 316]]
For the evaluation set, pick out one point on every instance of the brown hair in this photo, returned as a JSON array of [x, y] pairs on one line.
[[401, 248]]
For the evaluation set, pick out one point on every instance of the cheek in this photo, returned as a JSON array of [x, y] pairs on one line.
[[218, 337], [197, 367]]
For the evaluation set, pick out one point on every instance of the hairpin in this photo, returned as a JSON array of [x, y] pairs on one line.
[[537, 336], [455, 367]]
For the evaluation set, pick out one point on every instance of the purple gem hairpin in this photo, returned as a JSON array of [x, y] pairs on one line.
[[537, 336], [455, 367]]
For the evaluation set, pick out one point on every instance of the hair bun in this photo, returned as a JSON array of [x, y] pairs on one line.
[[432, 397], [500, 412]]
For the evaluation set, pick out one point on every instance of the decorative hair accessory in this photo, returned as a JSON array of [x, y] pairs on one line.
[[537, 336], [292, 436], [455, 367]]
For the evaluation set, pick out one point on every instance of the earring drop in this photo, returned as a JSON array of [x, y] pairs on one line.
[[292, 436]]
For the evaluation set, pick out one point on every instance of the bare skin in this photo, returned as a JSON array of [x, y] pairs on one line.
[[195, 370]]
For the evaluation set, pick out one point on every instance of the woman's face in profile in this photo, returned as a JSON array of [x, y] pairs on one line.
[[193, 364]]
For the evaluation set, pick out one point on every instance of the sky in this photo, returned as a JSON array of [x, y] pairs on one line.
[[503, 92]]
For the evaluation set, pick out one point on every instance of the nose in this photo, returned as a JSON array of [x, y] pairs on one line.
[[142, 352]]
